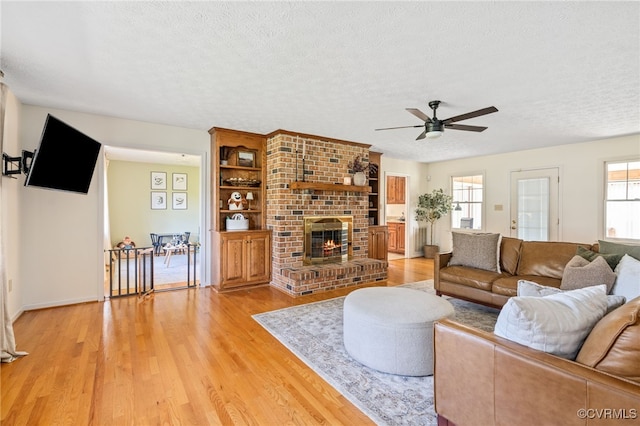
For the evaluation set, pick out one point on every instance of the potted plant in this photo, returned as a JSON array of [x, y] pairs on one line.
[[432, 207], [359, 167]]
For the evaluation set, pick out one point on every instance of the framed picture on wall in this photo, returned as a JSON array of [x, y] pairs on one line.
[[158, 180], [246, 158], [158, 200], [179, 182], [179, 201]]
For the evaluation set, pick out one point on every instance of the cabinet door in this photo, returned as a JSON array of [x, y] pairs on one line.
[[259, 258], [391, 190], [393, 236], [233, 259], [400, 237], [400, 189], [395, 189], [378, 242]]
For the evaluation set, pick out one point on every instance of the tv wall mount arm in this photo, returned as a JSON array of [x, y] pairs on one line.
[[16, 165]]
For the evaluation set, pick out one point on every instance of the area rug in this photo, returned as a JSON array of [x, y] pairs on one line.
[[313, 332], [176, 271]]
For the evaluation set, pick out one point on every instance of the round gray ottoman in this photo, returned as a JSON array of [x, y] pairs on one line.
[[390, 329]]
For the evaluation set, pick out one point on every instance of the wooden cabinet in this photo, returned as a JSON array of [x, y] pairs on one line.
[[241, 257], [378, 242], [393, 237], [245, 258], [396, 237], [401, 238], [243, 171], [374, 195], [396, 189]]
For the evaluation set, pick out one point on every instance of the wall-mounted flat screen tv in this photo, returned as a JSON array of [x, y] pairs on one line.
[[64, 160]]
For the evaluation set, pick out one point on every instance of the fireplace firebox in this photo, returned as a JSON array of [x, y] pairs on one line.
[[327, 239]]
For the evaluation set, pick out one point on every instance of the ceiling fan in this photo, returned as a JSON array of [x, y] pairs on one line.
[[433, 127]]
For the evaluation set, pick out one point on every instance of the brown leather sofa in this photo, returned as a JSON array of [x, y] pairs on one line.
[[541, 262], [482, 379]]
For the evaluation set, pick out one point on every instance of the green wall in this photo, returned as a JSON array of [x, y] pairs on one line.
[[129, 198]]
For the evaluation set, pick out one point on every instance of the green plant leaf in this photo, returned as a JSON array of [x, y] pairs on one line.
[[432, 206]]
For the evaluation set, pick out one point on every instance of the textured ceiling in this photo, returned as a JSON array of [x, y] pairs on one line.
[[559, 72]]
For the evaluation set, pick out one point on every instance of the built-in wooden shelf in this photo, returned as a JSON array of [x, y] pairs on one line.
[[316, 186]]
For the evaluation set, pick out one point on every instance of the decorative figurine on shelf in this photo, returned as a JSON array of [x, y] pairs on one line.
[[236, 202]]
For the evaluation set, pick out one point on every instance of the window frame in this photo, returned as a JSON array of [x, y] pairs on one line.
[[606, 200], [469, 202]]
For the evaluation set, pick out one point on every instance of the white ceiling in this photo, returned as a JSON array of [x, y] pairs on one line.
[[559, 72]]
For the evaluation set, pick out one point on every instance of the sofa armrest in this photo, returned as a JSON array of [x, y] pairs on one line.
[[439, 261], [481, 378]]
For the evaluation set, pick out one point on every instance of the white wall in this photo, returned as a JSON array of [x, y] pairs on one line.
[[61, 234], [581, 184]]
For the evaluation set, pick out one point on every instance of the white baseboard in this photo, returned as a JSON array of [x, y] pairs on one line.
[[17, 315], [58, 303]]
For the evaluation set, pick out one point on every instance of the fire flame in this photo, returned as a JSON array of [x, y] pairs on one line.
[[330, 245]]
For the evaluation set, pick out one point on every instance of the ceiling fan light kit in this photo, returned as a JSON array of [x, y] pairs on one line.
[[434, 134], [434, 128]]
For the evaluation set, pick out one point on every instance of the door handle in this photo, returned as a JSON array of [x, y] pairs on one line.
[[513, 224]]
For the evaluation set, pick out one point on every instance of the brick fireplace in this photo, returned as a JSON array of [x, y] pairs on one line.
[[327, 239], [325, 163]]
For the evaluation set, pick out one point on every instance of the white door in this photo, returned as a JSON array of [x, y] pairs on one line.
[[534, 205]]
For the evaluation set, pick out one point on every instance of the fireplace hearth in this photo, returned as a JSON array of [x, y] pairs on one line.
[[327, 239]]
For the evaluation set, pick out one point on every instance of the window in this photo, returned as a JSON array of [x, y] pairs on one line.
[[468, 196], [622, 200]]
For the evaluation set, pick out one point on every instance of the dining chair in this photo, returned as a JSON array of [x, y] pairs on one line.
[[155, 242]]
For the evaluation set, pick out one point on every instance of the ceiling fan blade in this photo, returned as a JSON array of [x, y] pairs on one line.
[[465, 127], [422, 135], [469, 115], [421, 115], [401, 127]]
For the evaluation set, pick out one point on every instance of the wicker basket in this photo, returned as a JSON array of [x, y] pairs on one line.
[[237, 223]]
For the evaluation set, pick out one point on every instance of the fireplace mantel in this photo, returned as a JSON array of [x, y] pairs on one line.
[[317, 186]]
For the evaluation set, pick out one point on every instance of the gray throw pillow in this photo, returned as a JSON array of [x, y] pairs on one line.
[[580, 273], [611, 258], [475, 250], [618, 248]]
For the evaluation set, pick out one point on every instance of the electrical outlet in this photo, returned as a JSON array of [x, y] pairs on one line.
[[498, 207]]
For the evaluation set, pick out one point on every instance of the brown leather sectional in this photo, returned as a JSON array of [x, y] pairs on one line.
[[482, 379], [541, 262]]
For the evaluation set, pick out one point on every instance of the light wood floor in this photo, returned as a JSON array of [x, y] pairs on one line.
[[181, 357]]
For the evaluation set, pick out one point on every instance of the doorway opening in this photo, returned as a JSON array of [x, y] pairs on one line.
[[147, 194], [396, 213]]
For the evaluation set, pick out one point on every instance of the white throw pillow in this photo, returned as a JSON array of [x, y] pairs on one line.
[[628, 281], [529, 288], [557, 324]]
